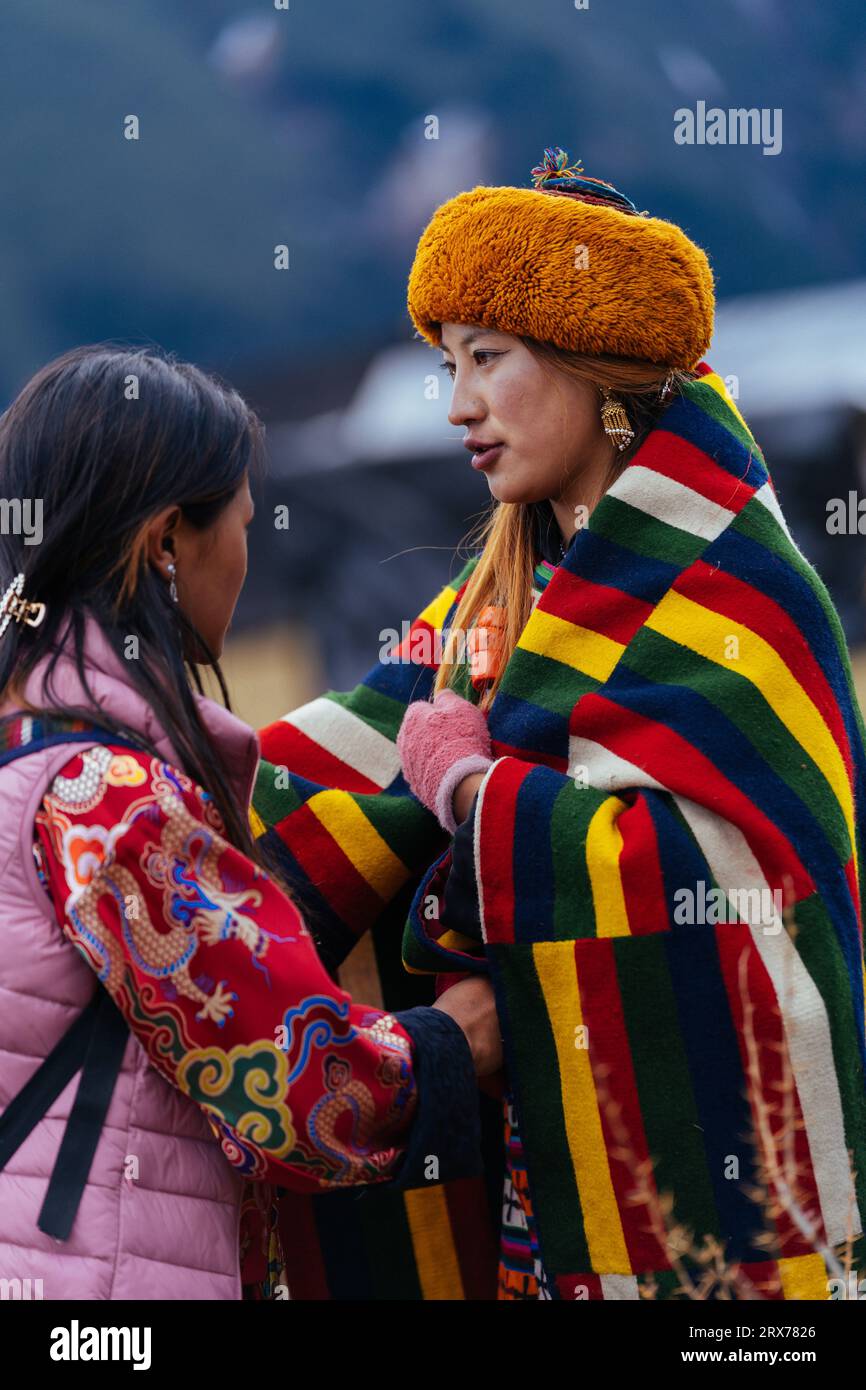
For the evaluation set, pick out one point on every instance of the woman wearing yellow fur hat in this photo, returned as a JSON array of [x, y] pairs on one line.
[[615, 765]]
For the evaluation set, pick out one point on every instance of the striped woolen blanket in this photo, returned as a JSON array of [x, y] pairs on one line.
[[668, 857]]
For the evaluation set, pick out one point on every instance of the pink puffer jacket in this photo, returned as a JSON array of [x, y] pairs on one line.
[[172, 1231]]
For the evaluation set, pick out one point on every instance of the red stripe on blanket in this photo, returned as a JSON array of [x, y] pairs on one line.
[[329, 870], [612, 612], [675, 458], [772, 1068], [421, 646], [496, 849], [580, 1287], [472, 1233], [677, 765], [766, 1279], [509, 750], [299, 1237], [641, 871], [854, 890], [285, 745], [617, 1089]]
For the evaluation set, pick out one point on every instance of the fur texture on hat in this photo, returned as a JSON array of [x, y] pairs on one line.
[[554, 267]]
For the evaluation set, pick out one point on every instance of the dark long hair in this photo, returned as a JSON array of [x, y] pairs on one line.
[[107, 436]]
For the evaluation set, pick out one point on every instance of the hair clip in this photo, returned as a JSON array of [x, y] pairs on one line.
[[485, 643], [14, 605]]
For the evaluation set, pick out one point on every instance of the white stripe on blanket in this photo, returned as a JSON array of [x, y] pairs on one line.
[[766, 495], [671, 502], [804, 1015], [807, 1027], [348, 738]]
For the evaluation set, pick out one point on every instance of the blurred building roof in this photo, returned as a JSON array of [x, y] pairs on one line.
[[399, 410], [801, 350]]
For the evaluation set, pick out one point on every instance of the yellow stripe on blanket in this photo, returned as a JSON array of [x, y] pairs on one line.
[[433, 1243], [361, 843], [434, 613], [603, 849], [804, 1277], [456, 941], [708, 633], [556, 971], [573, 645], [715, 381]]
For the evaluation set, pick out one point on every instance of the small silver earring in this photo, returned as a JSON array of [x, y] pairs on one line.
[[172, 588], [667, 387]]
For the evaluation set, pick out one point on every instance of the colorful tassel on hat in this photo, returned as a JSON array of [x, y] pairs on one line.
[[554, 165], [553, 175]]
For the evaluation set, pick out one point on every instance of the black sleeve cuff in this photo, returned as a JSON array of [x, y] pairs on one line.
[[447, 1123], [460, 910]]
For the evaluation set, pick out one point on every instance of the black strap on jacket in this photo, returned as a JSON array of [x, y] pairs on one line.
[[94, 1045]]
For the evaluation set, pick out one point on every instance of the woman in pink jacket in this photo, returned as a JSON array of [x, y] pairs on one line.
[[171, 1047]]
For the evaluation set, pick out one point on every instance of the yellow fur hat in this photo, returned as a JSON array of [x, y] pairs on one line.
[[570, 261]]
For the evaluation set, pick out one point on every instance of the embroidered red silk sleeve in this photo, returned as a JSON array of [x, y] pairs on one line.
[[214, 970]]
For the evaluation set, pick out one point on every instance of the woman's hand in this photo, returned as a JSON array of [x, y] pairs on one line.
[[465, 795], [440, 744], [472, 1005]]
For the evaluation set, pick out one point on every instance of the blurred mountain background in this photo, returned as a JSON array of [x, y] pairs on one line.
[[306, 126]]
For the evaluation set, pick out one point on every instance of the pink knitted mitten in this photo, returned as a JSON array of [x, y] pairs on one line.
[[440, 744]]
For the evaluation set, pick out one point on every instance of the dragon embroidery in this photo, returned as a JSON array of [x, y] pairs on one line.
[[183, 861]]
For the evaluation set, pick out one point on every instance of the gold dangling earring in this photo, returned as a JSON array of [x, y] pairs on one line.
[[615, 422]]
